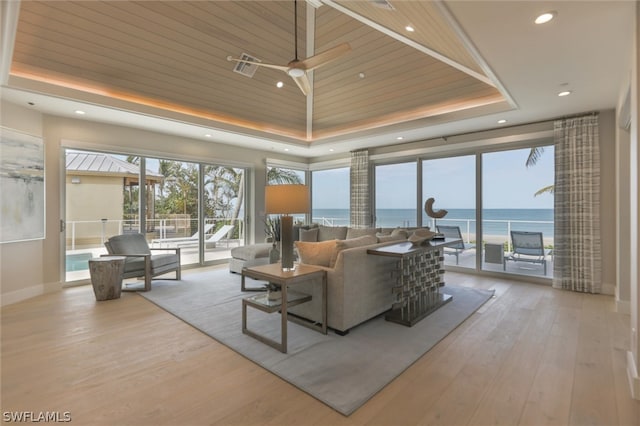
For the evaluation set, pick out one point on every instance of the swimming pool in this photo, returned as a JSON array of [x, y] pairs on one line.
[[78, 262]]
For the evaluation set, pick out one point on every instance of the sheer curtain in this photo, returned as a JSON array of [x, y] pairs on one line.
[[577, 252], [360, 194]]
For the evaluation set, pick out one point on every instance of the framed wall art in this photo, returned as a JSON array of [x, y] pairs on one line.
[[22, 191]]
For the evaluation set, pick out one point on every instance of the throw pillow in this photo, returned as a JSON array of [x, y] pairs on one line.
[[326, 233], [316, 253], [365, 240], [309, 234], [400, 231]]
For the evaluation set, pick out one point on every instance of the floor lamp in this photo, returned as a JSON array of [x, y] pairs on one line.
[[286, 200]]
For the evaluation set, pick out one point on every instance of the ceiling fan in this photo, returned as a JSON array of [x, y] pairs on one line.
[[297, 69]]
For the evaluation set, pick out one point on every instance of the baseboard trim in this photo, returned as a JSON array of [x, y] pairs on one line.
[[16, 296], [608, 289], [623, 306], [632, 374]]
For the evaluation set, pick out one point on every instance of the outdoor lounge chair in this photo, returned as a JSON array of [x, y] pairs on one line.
[[194, 238], [139, 261], [220, 234], [454, 232], [527, 247]]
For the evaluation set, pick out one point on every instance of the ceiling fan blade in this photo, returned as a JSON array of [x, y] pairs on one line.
[[262, 64], [325, 57], [303, 84]]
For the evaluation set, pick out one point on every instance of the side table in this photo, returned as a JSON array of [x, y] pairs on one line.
[[274, 274], [106, 276]]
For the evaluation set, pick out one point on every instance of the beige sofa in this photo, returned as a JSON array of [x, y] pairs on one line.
[[358, 284]]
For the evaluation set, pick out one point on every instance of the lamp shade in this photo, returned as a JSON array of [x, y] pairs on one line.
[[286, 199]]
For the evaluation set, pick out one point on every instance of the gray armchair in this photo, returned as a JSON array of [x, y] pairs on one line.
[[139, 260]]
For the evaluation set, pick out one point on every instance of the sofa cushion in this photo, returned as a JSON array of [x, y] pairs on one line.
[[326, 233], [359, 232], [250, 252], [365, 240], [309, 235], [316, 253]]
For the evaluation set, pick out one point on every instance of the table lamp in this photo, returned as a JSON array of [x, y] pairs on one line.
[[286, 200]]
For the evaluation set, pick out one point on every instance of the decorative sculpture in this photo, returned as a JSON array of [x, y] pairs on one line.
[[434, 214]]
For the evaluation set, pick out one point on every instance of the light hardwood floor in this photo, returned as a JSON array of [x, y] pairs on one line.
[[530, 356]]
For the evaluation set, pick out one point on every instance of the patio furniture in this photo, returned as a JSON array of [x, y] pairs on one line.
[[139, 260], [450, 231], [527, 247], [220, 234], [106, 276], [192, 239]]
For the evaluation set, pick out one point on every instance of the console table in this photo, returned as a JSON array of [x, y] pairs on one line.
[[420, 274], [274, 274]]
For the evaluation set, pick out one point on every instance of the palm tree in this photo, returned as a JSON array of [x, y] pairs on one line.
[[278, 176], [532, 160]]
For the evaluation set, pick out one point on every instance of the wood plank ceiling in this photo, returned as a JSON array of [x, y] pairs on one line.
[[172, 55]]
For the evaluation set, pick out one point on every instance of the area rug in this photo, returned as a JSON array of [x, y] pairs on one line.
[[341, 371]]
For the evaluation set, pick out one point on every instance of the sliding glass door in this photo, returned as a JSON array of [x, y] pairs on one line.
[[517, 195], [330, 197], [224, 196], [451, 182], [186, 204], [395, 195]]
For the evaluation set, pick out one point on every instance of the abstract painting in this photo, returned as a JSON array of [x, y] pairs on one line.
[[22, 205]]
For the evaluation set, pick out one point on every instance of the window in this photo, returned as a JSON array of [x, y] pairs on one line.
[[103, 199], [331, 197], [395, 195], [517, 197], [280, 176], [451, 182]]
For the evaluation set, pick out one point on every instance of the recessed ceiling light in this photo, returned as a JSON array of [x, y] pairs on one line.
[[331, 149], [207, 135], [279, 84], [409, 28], [502, 121], [564, 93], [545, 17], [286, 149], [80, 112], [400, 138]]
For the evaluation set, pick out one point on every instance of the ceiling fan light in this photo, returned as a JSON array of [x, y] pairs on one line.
[[295, 72]]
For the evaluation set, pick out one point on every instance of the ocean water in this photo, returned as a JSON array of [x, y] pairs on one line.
[[495, 221]]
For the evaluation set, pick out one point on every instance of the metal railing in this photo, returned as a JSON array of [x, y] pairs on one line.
[[91, 233]]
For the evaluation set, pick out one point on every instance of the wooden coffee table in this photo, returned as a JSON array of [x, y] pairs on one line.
[[274, 274]]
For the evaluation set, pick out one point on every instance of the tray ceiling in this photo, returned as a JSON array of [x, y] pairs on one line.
[[171, 55]]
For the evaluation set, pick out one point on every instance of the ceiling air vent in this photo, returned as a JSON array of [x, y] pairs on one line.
[[383, 4], [246, 68]]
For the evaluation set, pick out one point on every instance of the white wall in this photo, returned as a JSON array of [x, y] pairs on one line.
[[22, 263]]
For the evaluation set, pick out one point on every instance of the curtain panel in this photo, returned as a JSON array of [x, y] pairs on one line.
[[360, 195], [577, 251]]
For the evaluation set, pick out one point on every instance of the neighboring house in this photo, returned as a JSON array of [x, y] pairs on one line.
[[97, 187]]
